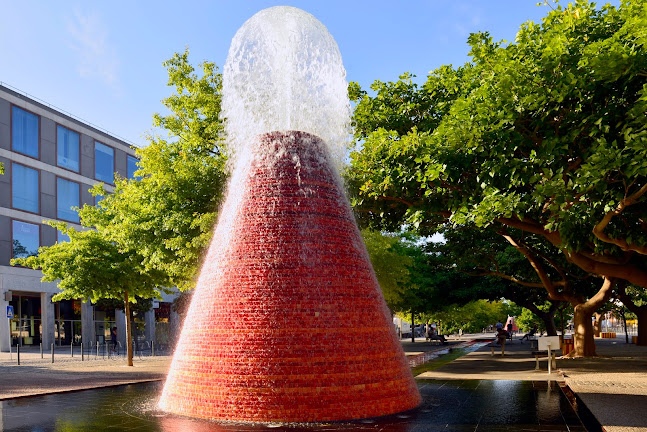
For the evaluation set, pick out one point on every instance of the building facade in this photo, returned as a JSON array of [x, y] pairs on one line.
[[51, 160]]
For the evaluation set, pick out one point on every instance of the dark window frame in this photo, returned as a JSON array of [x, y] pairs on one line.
[[80, 199], [11, 131], [128, 157], [40, 234], [11, 187], [80, 158], [114, 162]]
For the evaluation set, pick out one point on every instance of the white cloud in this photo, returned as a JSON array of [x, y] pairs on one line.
[[97, 57]]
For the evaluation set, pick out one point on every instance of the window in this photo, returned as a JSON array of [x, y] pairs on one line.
[[132, 166], [26, 239], [24, 188], [67, 148], [67, 197], [62, 237], [24, 132], [104, 163]]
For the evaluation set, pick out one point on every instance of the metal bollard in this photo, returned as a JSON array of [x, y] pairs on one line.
[[10, 353], [97, 356], [81, 351], [52, 353], [71, 350], [41, 350], [152, 348], [18, 353]]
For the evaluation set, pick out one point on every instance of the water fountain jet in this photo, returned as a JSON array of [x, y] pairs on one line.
[[287, 322]]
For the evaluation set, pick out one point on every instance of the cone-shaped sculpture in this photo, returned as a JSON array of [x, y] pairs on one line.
[[287, 322]]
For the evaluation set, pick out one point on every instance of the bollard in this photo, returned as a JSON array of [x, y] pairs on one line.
[[52, 353], [71, 350], [41, 349], [81, 351], [152, 348], [10, 353], [97, 356], [18, 353]]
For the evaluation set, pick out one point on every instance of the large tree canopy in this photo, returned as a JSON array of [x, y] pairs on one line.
[[546, 135]]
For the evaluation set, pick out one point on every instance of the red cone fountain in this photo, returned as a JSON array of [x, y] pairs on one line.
[[287, 322]]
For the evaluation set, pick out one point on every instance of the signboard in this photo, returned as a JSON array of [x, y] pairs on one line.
[[548, 342], [9, 311]]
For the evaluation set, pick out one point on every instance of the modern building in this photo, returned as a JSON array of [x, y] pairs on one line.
[[51, 159]]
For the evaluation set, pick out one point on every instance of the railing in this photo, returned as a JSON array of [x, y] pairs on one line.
[[92, 351], [77, 118]]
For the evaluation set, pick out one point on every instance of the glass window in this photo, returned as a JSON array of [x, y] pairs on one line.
[[24, 132], [62, 237], [67, 197], [104, 163], [24, 188], [132, 166], [26, 239], [67, 148]]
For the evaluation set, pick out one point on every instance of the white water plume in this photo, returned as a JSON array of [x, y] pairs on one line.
[[284, 72]]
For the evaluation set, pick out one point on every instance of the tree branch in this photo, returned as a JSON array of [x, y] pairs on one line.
[[598, 230]]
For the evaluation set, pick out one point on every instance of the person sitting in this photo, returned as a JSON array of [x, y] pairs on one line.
[[501, 336], [531, 333], [435, 336]]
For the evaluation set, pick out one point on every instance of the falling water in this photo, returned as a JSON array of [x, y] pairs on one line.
[[287, 322], [284, 72]]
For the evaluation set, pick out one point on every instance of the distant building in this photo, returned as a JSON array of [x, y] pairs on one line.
[[51, 159]]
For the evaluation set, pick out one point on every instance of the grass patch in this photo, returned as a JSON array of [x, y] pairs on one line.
[[443, 359]]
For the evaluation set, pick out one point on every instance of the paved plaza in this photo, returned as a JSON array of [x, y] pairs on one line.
[[613, 387]]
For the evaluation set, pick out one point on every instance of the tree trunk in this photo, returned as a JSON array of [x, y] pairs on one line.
[[129, 331], [597, 325], [584, 343], [583, 312], [413, 328], [641, 313], [547, 317]]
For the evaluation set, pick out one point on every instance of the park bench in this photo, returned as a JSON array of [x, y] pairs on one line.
[[438, 338], [492, 345]]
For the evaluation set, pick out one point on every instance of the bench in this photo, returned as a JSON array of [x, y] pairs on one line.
[[438, 338], [492, 345]]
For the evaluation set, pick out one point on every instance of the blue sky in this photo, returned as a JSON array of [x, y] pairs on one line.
[[102, 61]]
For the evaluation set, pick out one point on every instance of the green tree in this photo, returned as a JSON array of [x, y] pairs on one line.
[[167, 212], [546, 136], [472, 317], [89, 266], [150, 231], [390, 265]]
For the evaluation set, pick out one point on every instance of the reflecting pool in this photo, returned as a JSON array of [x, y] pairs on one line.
[[451, 405]]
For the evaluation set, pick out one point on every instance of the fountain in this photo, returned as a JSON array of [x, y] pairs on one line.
[[287, 322]]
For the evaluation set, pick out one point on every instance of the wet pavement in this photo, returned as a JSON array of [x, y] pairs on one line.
[[451, 405]]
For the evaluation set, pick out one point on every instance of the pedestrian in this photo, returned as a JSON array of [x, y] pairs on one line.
[[113, 338]]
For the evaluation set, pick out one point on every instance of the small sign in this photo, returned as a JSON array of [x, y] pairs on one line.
[[548, 343], [9, 311]]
